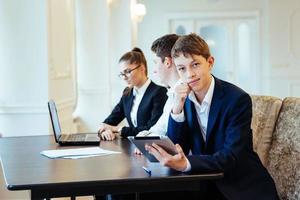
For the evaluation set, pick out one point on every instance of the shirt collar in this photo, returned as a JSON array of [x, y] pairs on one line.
[[141, 90], [208, 96]]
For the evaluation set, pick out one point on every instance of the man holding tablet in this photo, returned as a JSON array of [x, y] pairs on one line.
[[211, 119]]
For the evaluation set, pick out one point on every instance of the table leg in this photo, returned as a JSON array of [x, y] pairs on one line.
[[35, 195], [137, 196]]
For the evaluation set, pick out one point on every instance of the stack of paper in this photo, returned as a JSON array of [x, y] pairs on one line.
[[77, 153]]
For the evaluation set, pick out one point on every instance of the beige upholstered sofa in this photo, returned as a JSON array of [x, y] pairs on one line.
[[276, 139]]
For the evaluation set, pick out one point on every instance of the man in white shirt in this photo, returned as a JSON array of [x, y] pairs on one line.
[[167, 75]]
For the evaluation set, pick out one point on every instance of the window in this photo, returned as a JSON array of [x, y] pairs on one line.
[[233, 41]]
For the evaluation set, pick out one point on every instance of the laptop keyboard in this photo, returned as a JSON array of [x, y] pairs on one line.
[[73, 137]]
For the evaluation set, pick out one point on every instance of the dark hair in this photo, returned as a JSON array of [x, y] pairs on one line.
[[162, 46], [135, 56], [191, 44]]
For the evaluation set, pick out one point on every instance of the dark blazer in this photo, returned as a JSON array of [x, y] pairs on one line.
[[228, 147], [149, 110]]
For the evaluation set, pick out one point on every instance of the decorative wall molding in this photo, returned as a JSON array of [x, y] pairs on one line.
[[288, 71], [226, 25], [59, 74], [61, 46], [211, 14], [294, 88], [93, 91], [294, 32], [281, 65], [23, 109], [65, 103], [34, 109]]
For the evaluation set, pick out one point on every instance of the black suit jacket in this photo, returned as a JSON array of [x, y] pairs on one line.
[[149, 110], [228, 145]]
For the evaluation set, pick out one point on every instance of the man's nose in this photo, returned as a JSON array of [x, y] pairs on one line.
[[190, 72]]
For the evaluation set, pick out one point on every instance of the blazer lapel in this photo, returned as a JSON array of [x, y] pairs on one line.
[[214, 107], [129, 104]]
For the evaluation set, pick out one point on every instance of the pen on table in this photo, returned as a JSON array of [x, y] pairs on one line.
[[143, 134], [148, 133], [147, 170]]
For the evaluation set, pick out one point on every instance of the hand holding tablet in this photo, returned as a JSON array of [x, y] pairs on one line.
[[162, 141]]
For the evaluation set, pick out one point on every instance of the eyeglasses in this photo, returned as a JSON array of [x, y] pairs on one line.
[[127, 72]]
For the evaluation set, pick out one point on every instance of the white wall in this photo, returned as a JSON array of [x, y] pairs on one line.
[[279, 36], [121, 41], [155, 22], [61, 58], [40, 52], [284, 31], [23, 68], [92, 56], [103, 33]]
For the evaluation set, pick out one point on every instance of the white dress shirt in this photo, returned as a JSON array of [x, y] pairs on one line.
[[161, 126], [138, 94], [202, 111]]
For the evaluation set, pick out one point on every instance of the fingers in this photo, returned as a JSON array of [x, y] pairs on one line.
[[107, 132], [179, 150], [100, 131], [177, 162], [108, 135], [160, 150], [138, 152], [102, 128], [159, 153], [181, 92], [103, 136], [154, 152], [111, 134]]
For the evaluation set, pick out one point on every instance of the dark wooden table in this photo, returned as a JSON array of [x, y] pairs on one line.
[[24, 168]]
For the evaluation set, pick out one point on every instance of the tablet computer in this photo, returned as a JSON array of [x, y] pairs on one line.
[[163, 141]]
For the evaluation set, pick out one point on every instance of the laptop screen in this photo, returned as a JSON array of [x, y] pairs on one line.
[[54, 119]]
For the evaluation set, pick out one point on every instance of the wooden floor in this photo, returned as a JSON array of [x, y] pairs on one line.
[[5, 194]]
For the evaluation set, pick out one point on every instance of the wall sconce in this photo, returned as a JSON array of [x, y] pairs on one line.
[[139, 11]]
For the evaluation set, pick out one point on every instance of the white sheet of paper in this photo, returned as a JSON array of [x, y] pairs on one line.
[[77, 153], [78, 157]]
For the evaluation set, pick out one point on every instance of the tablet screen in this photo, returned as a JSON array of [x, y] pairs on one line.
[[162, 141]]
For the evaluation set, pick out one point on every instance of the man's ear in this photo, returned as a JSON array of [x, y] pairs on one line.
[[211, 61], [168, 62]]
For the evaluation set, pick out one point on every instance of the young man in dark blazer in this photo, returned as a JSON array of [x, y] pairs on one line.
[[211, 119]]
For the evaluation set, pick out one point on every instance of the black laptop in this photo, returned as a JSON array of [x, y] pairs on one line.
[[72, 138]]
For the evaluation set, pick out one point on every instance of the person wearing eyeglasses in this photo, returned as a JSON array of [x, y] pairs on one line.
[[142, 101]]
